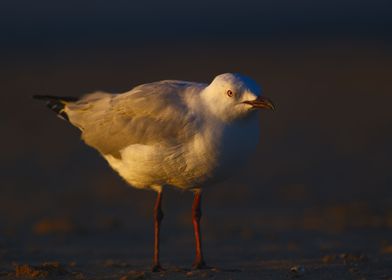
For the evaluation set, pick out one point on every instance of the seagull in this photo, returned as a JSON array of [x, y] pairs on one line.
[[180, 134]]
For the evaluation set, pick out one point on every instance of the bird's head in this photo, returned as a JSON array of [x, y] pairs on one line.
[[233, 96]]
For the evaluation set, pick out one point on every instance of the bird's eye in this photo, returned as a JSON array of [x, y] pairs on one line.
[[229, 93]]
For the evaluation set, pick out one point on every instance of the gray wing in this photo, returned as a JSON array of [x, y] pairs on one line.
[[148, 114]]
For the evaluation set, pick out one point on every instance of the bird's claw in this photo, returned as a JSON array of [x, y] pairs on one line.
[[200, 265]]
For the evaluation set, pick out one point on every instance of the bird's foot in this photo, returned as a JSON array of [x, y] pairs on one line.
[[157, 268], [200, 264]]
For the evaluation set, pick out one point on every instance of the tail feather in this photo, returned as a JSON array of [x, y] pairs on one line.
[[57, 104]]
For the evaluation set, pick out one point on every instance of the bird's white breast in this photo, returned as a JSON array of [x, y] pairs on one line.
[[238, 143]]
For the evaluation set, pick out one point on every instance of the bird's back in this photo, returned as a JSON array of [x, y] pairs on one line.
[[148, 114]]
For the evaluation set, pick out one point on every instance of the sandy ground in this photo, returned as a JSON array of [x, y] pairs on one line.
[[250, 243], [314, 203]]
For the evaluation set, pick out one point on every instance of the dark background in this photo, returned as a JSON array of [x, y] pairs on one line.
[[319, 184]]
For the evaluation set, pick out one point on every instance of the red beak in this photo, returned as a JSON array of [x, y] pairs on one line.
[[261, 102]]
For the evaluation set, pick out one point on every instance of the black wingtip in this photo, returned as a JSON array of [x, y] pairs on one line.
[[56, 103]]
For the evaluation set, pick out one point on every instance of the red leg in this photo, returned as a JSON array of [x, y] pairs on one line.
[[196, 216], [158, 216]]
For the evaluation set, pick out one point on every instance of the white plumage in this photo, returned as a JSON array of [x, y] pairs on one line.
[[175, 133]]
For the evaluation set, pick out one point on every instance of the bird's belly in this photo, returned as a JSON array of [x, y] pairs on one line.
[[183, 166], [209, 157], [139, 165]]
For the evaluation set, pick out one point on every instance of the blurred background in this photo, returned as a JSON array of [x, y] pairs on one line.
[[320, 182]]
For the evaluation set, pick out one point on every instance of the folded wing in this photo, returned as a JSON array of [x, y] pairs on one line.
[[149, 114]]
